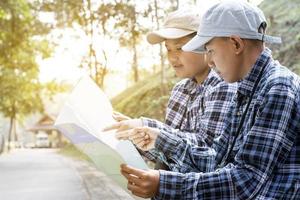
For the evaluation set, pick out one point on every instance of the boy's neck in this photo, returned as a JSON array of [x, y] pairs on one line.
[[201, 77], [250, 59]]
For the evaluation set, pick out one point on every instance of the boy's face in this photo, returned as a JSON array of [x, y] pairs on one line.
[[223, 59], [185, 64]]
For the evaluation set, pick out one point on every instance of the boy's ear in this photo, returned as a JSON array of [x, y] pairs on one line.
[[238, 44]]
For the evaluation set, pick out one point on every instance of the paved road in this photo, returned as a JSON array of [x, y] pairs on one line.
[[42, 174]]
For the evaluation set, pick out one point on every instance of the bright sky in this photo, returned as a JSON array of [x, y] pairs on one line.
[[64, 63]]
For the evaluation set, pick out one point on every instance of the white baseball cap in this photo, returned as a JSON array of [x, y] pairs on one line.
[[178, 24], [230, 18]]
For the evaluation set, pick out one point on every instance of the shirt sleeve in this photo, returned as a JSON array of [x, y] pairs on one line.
[[153, 154], [265, 146], [216, 108], [153, 123]]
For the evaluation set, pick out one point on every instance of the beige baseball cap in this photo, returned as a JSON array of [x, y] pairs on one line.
[[178, 24]]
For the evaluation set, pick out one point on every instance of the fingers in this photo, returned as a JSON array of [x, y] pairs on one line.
[[147, 146], [137, 190], [139, 138], [142, 144], [149, 132], [142, 129], [117, 118], [120, 117], [119, 126], [134, 171], [133, 134], [123, 135], [141, 183], [127, 134], [112, 127], [137, 141], [136, 134], [134, 180], [134, 184]]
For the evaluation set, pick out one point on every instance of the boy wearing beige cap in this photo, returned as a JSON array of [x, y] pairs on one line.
[[199, 103]]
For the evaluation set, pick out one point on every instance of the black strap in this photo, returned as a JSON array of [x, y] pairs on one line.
[[227, 156], [161, 165]]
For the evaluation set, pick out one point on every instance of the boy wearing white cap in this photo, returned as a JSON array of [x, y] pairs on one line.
[[199, 103], [258, 154]]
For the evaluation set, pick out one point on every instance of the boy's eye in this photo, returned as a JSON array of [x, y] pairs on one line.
[[178, 48]]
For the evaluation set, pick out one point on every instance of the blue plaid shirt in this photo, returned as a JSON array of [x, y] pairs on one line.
[[265, 160], [195, 108]]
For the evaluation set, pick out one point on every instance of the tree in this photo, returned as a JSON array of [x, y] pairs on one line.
[[92, 18], [130, 30], [19, 85], [161, 54], [95, 22], [158, 19]]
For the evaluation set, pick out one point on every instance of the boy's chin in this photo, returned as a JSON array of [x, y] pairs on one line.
[[180, 75]]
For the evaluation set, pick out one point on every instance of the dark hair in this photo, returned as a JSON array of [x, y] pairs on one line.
[[262, 29], [192, 35]]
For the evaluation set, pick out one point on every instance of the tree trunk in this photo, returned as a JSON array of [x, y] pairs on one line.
[[175, 4], [134, 46], [161, 54], [90, 32], [11, 121], [135, 63], [96, 70], [162, 63], [2, 143], [15, 134]]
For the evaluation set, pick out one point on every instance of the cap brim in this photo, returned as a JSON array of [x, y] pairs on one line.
[[167, 33], [197, 44]]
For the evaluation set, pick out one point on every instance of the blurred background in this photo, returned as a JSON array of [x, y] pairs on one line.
[[47, 45]]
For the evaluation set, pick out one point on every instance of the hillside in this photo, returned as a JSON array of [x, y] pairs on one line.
[[146, 98], [284, 20]]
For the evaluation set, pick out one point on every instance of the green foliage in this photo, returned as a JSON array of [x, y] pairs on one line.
[[284, 20], [19, 86], [66, 12], [126, 17], [19, 93], [146, 98], [51, 88]]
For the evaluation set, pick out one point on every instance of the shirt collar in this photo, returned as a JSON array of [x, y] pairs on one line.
[[246, 85], [193, 87]]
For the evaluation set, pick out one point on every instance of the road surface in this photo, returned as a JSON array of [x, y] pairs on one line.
[[43, 174]]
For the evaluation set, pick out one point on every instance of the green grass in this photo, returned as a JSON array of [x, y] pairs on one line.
[[71, 151], [147, 98]]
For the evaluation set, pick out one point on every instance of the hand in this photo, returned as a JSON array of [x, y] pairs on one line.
[[120, 117], [141, 183], [124, 125], [143, 137]]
